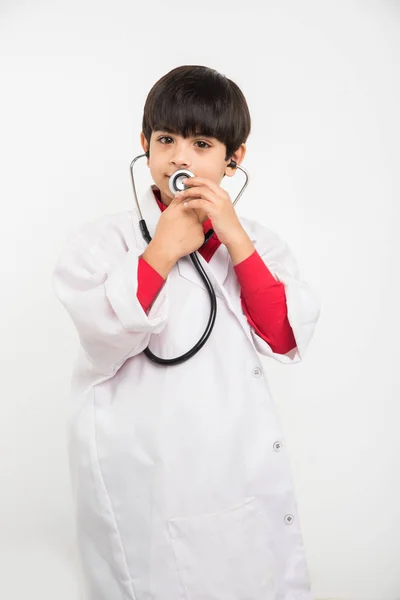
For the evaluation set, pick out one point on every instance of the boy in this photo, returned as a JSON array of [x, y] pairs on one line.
[[182, 486]]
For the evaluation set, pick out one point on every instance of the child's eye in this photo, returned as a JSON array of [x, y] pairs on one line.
[[164, 137], [201, 142]]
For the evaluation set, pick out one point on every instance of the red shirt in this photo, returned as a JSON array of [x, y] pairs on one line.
[[262, 297]]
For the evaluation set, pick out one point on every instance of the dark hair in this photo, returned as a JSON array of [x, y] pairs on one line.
[[192, 100]]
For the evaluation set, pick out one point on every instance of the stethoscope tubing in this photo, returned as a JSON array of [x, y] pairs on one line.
[[194, 258]]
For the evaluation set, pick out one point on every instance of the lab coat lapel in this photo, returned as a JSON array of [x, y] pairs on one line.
[[216, 269]]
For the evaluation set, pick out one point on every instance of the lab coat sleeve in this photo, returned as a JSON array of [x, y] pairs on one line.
[[303, 304], [96, 279]]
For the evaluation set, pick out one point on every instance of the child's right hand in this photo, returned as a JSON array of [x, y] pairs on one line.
[[179, 231]]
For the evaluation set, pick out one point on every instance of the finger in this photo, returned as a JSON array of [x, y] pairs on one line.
[[203, 204], [197, 192], [177, 199], [201, 181]]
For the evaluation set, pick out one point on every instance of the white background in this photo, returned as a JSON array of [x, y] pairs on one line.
[[323, 87]]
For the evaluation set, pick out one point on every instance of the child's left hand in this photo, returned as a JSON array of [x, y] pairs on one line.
[[206, 195]]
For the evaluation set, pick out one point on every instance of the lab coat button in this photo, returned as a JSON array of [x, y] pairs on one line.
[[277, 446], [289, 519], [257, 372]]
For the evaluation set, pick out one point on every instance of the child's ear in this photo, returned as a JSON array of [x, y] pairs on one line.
[[236, 159], [145, 145], [231, 168]]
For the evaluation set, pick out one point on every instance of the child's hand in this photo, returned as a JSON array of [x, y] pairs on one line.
[[179, 231], [206, 195]]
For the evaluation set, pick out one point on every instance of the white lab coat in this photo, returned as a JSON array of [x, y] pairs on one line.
[[182, 486]]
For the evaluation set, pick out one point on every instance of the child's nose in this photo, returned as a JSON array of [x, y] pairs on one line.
[[181, 157]]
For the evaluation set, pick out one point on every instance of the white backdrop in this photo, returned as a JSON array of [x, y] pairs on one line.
[[322, 83]]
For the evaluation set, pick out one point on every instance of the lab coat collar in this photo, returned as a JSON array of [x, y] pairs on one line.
[[216, 269]]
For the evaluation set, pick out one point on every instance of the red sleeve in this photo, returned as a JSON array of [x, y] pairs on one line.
[[263, 301], [149, 284]]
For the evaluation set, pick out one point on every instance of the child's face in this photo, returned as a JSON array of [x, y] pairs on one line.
[[203, 155]]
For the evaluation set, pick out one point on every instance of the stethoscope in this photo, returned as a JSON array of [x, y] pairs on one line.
[[176, 185]]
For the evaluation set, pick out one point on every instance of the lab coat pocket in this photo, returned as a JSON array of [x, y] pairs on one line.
[[225, 555]]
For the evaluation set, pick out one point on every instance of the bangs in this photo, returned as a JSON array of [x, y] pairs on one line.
[[193, 112]]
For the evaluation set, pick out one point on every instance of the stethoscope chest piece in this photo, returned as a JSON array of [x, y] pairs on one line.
[[175, 181]]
